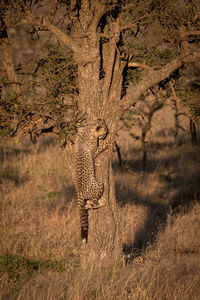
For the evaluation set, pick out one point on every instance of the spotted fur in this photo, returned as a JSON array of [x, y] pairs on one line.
[[89, 190]]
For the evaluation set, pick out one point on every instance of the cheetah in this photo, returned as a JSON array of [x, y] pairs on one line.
[[88, 189]]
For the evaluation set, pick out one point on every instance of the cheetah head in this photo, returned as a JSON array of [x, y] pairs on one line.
[[100, 130]]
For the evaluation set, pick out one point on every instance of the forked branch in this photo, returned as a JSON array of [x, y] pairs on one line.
[[154, 77], [31, 19]]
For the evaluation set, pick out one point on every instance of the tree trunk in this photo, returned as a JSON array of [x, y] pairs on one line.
[[193, 132], [103, 245], [103, 239], [144, 151]]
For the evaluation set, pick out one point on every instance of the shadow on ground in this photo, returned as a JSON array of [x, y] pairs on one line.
[[25, 147], [185, 184]]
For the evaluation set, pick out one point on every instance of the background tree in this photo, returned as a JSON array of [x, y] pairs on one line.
[[82, 72], [141, 115]]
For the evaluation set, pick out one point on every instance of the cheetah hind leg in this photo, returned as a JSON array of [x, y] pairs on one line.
[[94, 204]]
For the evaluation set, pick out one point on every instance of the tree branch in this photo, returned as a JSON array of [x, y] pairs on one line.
[[133, 64], [193, 32], [184, 40], [154, 77], [99, 10], [54, 7], [9, 66], [108, 64], [133, 24], [30, 19]]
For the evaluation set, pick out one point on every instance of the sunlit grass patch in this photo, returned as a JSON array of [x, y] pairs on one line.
[[158, 216]]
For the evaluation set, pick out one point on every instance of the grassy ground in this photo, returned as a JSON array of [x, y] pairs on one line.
[[39, 227]]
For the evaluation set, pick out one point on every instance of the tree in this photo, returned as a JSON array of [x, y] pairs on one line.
[[105, 39], [141, 115]]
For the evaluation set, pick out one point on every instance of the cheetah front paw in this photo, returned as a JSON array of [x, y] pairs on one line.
[[101, 202]]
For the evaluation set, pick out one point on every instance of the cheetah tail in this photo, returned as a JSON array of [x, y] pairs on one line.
[[84, 225], [84, 235]]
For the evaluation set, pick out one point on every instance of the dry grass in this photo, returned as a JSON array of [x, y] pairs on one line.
[[39, 227]]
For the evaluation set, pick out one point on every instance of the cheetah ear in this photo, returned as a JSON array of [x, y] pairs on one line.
[[98, 128], [100, 120]]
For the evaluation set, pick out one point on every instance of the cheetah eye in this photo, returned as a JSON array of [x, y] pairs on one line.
[[98, 128]]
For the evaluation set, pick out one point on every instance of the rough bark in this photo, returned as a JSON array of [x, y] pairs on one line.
[[103, 238], [103, 244]]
